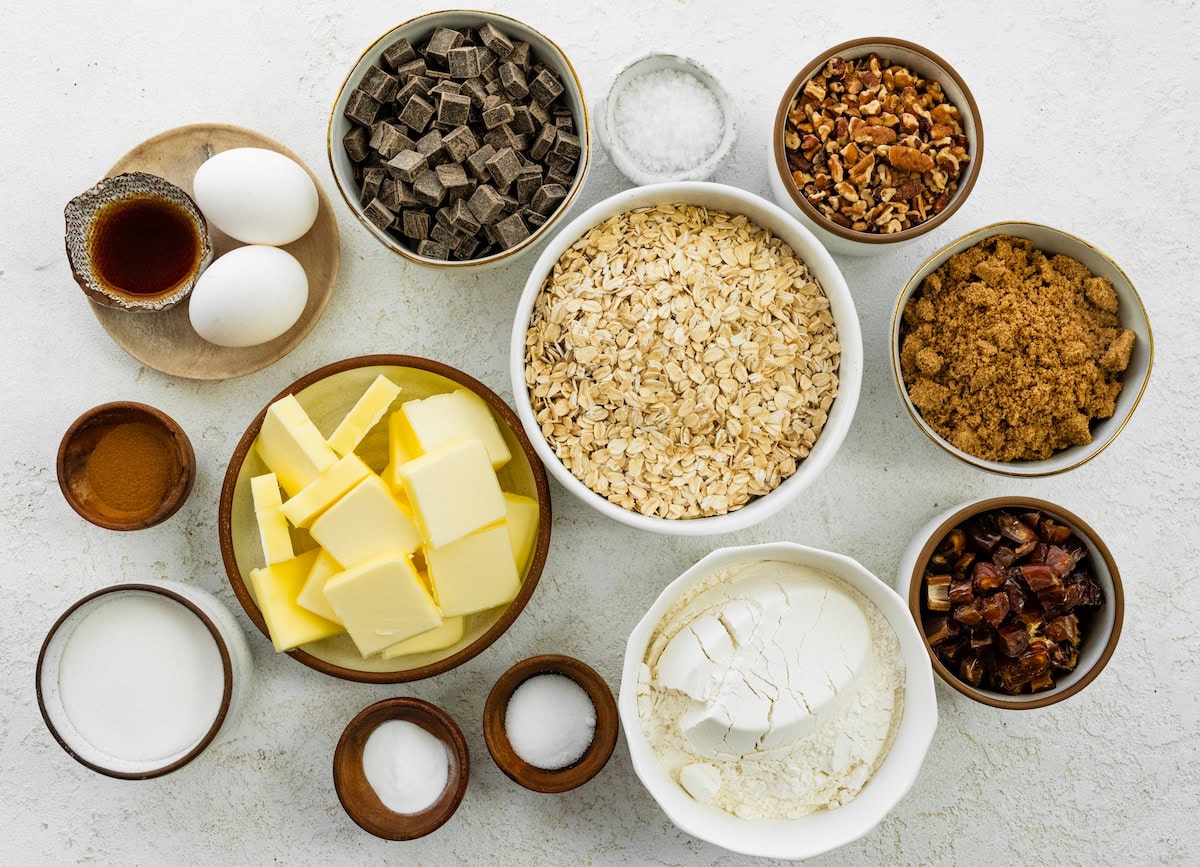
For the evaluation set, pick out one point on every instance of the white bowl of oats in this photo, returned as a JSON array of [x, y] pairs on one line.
[[686, 358]]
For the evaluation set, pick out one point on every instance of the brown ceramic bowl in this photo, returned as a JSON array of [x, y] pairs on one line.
[[531, 776], [358, 798], [327, 394], [81, 439], [924, 63], [1100, 628]]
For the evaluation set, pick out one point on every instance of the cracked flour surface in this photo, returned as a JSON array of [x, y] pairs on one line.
[[772, 690]]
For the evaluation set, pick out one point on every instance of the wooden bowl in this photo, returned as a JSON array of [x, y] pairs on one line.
[[327, 394], [530, 776], [84, 435], [358, 798]]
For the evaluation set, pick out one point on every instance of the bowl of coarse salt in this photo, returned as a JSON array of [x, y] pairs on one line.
[[666, 118], [777, 700]]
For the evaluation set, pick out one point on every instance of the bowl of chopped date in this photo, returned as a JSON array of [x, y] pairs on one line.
[[459, 137], [1018, 600], [875, 142], [1021, 349]]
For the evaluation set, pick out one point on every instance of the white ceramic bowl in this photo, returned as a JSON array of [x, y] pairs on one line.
[[417, 30], [921, 61], [236, 673], [818, 832], [823, 268], [1133, 316], [606, 126]]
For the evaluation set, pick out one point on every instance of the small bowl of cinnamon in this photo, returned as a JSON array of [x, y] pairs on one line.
[[125, 466]]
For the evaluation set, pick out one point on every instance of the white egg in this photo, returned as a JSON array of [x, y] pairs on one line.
[[248, 296], [256, 196]]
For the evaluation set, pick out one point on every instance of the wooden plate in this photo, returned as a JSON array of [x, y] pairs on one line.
[[327, 394], [164, 340]]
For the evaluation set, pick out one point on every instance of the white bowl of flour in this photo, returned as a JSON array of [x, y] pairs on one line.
[[777, 700]]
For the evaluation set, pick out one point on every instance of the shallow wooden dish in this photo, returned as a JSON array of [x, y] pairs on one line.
[[358, 798], [81, 438], [530, 776], [164, 340], [327, 394]]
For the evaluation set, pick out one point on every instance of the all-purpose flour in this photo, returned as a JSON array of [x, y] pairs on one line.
[[772, 690]]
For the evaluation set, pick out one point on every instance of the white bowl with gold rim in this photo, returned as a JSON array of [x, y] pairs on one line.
[[1130, 309]]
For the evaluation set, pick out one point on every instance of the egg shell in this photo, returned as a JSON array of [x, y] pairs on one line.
[[248, 296], [256, 196]]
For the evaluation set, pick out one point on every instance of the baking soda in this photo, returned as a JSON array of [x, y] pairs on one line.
[[550, 721], [407, 766]]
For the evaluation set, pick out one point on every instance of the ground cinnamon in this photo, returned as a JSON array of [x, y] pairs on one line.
[[1010, 354], [131, 468]]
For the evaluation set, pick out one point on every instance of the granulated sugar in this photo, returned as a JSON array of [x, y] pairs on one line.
[[668, 120]]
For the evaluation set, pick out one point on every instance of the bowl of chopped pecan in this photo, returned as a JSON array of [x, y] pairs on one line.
[[875, 142], [1018, 600], [1021, 349]]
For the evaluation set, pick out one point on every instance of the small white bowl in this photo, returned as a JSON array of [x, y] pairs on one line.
[[606, 126], [1133, 316], [824, 270], [818, 832], [236, 672]]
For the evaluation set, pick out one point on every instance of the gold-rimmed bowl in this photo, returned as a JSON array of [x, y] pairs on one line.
[[1130, 309], [417, 30]]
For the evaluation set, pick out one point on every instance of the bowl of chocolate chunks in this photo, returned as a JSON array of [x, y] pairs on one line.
[[1018, 600], [459, 137]]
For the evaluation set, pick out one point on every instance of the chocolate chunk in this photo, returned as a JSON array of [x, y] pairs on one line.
[[567, 145], [355, 143], [388, 140], [431, 146], [504, 167], [406, 165], [495, 40], [511, 231], [440, 43], [534, 219], [485, 204], [389, 194], [557, 176], [545, 138], [528, 182], [415, 68], [477, 162], [362, 108], [545, 88], [414, 224], [547, 198], [474, 88], [538, 114], [460, 143], [563, 120], [487, 60], [433, 250], [445, 87], [447, 236], [502, 113], [562, 165], [398, 53], [522, 55], [379, 214], [512, 79], [453, 178], [410, 88], [416, 113], [378, 84], [494, 86], [372, 180], [503, 137], [428, 189], [466, 248], [463, 62], [522, 121], [454, 109], [462, 219], [438, 75]]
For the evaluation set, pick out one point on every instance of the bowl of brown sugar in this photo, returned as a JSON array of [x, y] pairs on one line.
[[1021, 349]]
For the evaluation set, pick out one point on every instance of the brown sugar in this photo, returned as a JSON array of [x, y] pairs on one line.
[[1010, 354]]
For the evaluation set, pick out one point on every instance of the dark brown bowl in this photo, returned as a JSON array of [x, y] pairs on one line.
[[235, 506], [530, 776], [81, 439], [1098, 642], [925, 63], [358, 798]]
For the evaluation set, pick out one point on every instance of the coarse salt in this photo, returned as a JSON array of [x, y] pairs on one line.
[[550, 721], [668, 120]]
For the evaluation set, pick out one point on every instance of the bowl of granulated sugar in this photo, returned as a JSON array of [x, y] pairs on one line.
[[666, 118]]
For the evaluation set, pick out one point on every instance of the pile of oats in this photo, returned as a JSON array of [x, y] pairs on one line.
[[681, 361]]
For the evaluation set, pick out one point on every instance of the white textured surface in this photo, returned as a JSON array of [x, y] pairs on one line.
[[1089, 110]]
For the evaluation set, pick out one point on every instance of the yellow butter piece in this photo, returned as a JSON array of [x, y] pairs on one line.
[[522, 527], [365, 414], [323, 491], [447, 635], [291, 446], [272, 527], [425, 425], [453, 491], [276, 588], [382, 601], [474, 573], [365, 522], [312, 594]]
